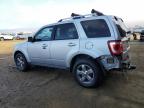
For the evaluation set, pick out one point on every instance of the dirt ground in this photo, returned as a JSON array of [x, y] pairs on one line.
[[53, 88]]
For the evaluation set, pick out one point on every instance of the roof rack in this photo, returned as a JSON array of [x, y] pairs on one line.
[[74, 15], [93, 11], [78, 16]]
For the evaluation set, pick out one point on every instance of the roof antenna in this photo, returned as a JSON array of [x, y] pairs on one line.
[[93, 11]]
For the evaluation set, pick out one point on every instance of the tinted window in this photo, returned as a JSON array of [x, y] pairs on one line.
[[121, 27], [66, 31], [122, 31], [44, 35], [96, 28]]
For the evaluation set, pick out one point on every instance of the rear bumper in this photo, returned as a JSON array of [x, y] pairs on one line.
[[115, 63], [128, 66], [109, 62]]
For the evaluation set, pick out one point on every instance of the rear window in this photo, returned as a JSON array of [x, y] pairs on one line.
[[121, 27], [96, 28]]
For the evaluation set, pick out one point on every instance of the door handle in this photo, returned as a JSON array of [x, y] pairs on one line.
[[44, 46], [71, 44]]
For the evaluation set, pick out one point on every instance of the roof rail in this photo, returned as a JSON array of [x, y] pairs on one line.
[[64, 19], [73, 16], [78, 16], [93, 11]]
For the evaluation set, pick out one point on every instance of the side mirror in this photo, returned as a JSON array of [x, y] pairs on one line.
[[30, 39]]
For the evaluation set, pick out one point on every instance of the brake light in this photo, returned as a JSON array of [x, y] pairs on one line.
[[115, 47]]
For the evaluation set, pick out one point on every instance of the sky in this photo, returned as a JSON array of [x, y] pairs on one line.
[[36, 13]]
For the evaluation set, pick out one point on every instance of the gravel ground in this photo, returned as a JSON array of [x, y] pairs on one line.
[[53, 88]]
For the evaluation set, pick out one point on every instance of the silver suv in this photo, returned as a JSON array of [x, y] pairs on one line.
[[87, 45]]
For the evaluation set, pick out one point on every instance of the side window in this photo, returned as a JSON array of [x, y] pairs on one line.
[[44, 35], [66, 31], [96, 28]]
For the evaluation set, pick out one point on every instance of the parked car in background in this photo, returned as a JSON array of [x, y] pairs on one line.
[[137, 33], [20, 36], [142, 36], [6, 37]]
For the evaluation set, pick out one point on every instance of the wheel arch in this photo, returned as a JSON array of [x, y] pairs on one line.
[[19, 51], [79, 56], [16, 52]]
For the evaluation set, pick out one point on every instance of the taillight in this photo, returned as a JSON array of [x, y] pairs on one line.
[[115, 47]]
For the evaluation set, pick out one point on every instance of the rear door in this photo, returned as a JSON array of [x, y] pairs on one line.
[[65, 43]]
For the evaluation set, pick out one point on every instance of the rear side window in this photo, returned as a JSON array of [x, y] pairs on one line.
[[66, 31], [96, 28]]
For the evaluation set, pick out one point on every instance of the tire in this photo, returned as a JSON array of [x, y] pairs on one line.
[[21, 62], [87, 73], [1, 39]]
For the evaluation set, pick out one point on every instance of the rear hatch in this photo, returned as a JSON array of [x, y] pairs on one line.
[[123, 34]]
